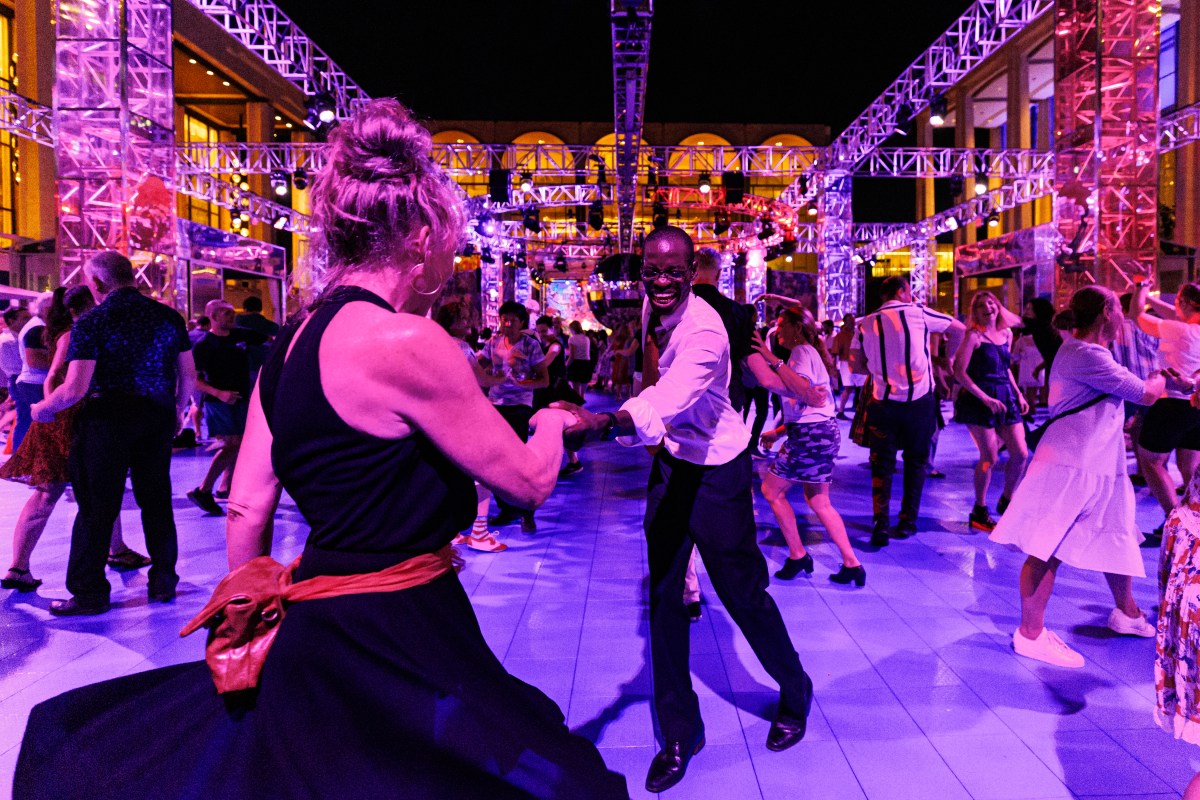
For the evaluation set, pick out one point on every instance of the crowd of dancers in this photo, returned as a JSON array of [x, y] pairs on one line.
[[380, 666]]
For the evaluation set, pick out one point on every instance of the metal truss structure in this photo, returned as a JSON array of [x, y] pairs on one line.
[[948, 162], [876, 239], [839, 288], [1179, 129], [631, 61], [1106, 164], [230, 158], [226, 195], [978, 33], [556, 195], [267, 32], [27, 119], [113, 98], [922, 278]]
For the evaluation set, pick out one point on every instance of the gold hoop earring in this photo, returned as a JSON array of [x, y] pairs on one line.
[[412, 282]]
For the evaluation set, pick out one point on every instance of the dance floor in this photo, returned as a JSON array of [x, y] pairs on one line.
[[918, 692]]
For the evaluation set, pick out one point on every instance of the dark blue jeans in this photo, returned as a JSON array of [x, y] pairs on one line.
[[24, 396]]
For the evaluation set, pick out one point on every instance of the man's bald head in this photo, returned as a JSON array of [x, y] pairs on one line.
[[661, 238]]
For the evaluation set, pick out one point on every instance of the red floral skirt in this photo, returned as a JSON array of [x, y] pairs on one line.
[[42, 457]]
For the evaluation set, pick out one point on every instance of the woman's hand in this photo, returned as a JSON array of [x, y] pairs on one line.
[[553, 418], [1022, 404], [761, 347], [993, 405], [769, 438]]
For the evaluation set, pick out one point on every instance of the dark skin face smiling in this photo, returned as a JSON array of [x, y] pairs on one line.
[[667, 273]]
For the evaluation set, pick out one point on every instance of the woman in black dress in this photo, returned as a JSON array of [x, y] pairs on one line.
[[367, 413], [989, 402]]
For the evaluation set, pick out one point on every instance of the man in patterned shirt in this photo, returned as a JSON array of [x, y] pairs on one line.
[[131, 358]]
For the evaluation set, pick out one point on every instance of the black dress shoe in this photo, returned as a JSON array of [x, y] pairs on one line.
[[794, 566], [880, 534], [846, 575], [904, 530], [73, 608], [161, 595], [695, 613], [789, 727], [504, 518], [669, 766]]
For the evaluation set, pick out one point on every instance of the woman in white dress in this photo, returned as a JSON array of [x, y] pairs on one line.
[[1076, 503]]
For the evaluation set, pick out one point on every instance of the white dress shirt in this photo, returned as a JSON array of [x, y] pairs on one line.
[[688, 410], [895, 342]]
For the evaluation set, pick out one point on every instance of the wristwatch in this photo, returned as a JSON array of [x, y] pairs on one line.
[[609, 431]]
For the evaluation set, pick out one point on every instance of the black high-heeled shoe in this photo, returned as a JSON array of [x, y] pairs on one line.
[[794, 566], [857, 575], [24, 582]]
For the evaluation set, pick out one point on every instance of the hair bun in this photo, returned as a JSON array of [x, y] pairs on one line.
[[1065, 320], [382, 143]]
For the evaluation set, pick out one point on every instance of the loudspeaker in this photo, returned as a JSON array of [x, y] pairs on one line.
[[735, 186], [498, 186]]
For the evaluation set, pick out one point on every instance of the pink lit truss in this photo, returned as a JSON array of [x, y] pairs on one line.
[[839, 289], [263, 28], [114, 116], [1180, 128], [27, 119], [1106, 126], [226, 195], [631, 60]]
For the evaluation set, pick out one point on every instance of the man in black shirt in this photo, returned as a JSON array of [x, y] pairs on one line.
[[266, 330], [223, 376], [130, 356], [738, 323]]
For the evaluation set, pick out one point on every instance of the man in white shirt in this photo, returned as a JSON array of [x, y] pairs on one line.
[[699, 493], [893, 346]]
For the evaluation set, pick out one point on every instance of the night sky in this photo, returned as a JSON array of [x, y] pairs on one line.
[[761, 61]]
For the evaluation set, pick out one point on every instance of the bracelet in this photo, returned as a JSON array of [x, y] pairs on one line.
[[775, 367], [609, 432]]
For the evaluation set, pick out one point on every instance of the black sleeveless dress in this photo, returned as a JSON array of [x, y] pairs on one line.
[[989, 369], [382, 695]]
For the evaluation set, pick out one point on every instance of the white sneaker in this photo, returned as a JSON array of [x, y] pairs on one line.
[[487, 543], [1125, 625], [462, 538], [1047, 647]]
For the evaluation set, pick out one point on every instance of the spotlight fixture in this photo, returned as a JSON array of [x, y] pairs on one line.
[[659, 215], [526, 181], [486, 225], [300, 178], [560, 262], [788, 259], [812, 211], [468, 249], [581, 216], [993, 220], [981, 183], [321, 111], [485, 255], [705, 183], [279, 182], [739, 260], [772, 253], [803, 183], [531, 218], [938, 110], [280, 222], [595, 216], [767, 230], [952, 223], [788, 245], [721, 222], [856, 259], [903, 120], [601, 172]]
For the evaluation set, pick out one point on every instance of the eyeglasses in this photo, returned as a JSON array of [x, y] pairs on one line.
[[649, 274]]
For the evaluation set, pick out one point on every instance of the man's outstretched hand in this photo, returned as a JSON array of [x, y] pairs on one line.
[[587, 428]]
